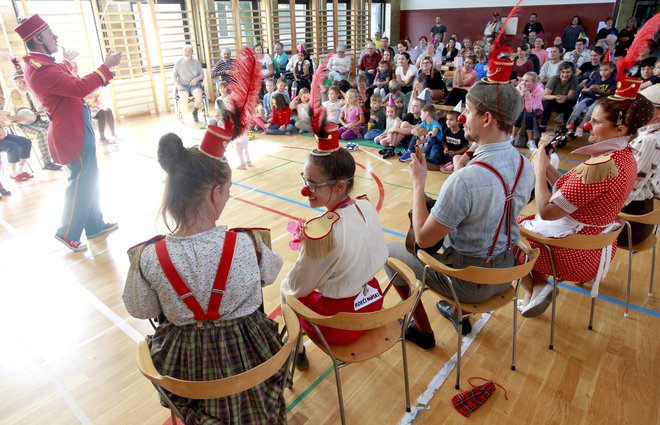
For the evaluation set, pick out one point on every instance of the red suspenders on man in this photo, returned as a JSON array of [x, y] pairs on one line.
[[213, 311], [508, 202]]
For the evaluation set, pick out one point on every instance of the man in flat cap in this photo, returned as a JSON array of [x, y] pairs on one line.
[[70, 135], [475, 213]]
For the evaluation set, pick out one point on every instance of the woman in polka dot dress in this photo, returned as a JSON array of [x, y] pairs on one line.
[[584, 201]]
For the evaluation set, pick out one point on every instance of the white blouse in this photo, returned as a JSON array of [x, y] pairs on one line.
[[360, 252]]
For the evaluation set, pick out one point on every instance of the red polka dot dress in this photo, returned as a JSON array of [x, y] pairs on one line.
[[598, 204]]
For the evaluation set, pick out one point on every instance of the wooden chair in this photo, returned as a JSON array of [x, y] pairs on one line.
[[384, 327], [582, 242], [484, 276], [218, 388], [649, 243]]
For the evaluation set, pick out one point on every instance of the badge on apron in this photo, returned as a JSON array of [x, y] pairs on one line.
[[368, 295]]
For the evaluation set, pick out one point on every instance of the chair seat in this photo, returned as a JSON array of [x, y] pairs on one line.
[[644, 245], [494, 303], [374, 342]]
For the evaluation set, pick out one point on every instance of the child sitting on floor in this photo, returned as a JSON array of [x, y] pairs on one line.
[[386, 139], [382, 78], [333, 105], [300, 103], [351, 119], [428, 131], [419, 91], [280, 124], [281, 88], [376, 124], [220, 104], [264, 113], [396, 94], [440, 155]]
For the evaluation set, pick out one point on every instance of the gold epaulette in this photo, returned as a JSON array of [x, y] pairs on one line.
[[597, 169], [35, 63], [317, 237]]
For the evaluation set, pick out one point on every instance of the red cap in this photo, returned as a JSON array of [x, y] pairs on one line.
[[627, 88], [31, 27], [215, 141], [499, 71], [329, 143]]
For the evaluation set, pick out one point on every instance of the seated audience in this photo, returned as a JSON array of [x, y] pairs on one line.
[[188, 77], [450, 51], [521, 63], [18, 150], [585, 71], [427, 131], [601, 84], [386, 139], [280, 124], [539, 51], [369, 63], [434, 80], [559, 95], [453, 145], [382, 79], [578, 56], [333, 105], [420, 91], [280, 60], [532, 95], [572, 33], [267, 69], [303, 70], [339, 66], [300, 104], [433, 55], [204, 345], [376, 124], [405, 72], [464, 78], [551, 67], [606, 30], [395, 93], [222, 69], [351, 118], [104, 115]]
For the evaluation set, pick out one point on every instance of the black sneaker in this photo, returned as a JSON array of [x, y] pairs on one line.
[[52, 167], [425, 340], [389, 153], [448, 312], [196, 115], [302, 362], [382, 151], [4, 192]]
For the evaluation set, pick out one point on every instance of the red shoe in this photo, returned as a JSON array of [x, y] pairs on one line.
[[570, 127], [75, 246], [19, 177], [26, 175]]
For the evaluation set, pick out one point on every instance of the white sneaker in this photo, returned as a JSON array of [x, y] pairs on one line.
[[540, 303], [531, 145], [579, 132]]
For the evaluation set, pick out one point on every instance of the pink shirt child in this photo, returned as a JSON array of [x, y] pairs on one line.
[[535, 98]]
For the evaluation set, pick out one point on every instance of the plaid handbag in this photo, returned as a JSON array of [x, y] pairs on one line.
[[469, 401]]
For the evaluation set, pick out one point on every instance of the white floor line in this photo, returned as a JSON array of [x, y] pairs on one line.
[[242, 193], [280, 237], [437, 381], [377, 157]]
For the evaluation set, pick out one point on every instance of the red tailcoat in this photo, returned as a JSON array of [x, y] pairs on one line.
[[61, 94]]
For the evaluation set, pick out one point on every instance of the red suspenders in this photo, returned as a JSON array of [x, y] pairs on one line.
[[213, 312], [508, 201]]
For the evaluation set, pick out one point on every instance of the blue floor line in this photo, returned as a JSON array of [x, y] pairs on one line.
[[401, 235]]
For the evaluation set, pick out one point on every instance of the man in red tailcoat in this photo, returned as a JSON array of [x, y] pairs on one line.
[[71, 134]]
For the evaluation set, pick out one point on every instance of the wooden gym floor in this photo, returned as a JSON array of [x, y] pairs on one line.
[[68, 344]]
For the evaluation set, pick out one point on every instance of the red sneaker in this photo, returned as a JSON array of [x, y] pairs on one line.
[[75, 246], [26, 175], [571, 127], [19, 177]]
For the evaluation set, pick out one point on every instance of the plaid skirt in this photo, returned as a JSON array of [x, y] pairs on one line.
[[213, 352]]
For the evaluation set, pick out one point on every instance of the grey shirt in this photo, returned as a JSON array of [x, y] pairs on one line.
[[185, 71], [471, 201]]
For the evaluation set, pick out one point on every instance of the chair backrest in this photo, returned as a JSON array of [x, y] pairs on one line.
[[582, 242], [483, 275], [218, 388], [652, 217], [364, 321]]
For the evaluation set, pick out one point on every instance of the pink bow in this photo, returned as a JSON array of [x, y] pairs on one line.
[[295, 228]]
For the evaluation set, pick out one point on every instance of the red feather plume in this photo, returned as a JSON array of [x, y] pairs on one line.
[[14, 60], [244, 86], [646, 33], [317, 110], [497, 50]]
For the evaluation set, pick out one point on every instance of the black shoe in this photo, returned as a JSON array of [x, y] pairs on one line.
[[196, 115], [389, 153], [52, 167], [425, 340], [4, 192], [302, 363], [447, 311], [382, 151]]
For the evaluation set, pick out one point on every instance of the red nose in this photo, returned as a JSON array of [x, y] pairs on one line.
[[461, 119], [587, 126], [305, 192]]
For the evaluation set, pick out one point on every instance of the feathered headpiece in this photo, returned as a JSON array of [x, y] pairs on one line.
[[14, 60], [627, 87], [244, 86], [499, 69], [327, 138]]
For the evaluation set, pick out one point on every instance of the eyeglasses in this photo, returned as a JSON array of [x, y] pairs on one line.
[[316, 186]]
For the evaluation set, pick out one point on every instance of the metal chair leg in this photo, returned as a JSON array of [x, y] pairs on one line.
[[339, 393], [515, 327], [293, 362], [405, 373], [630, 260], [591, 314], [554, 298], [458, 355]]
